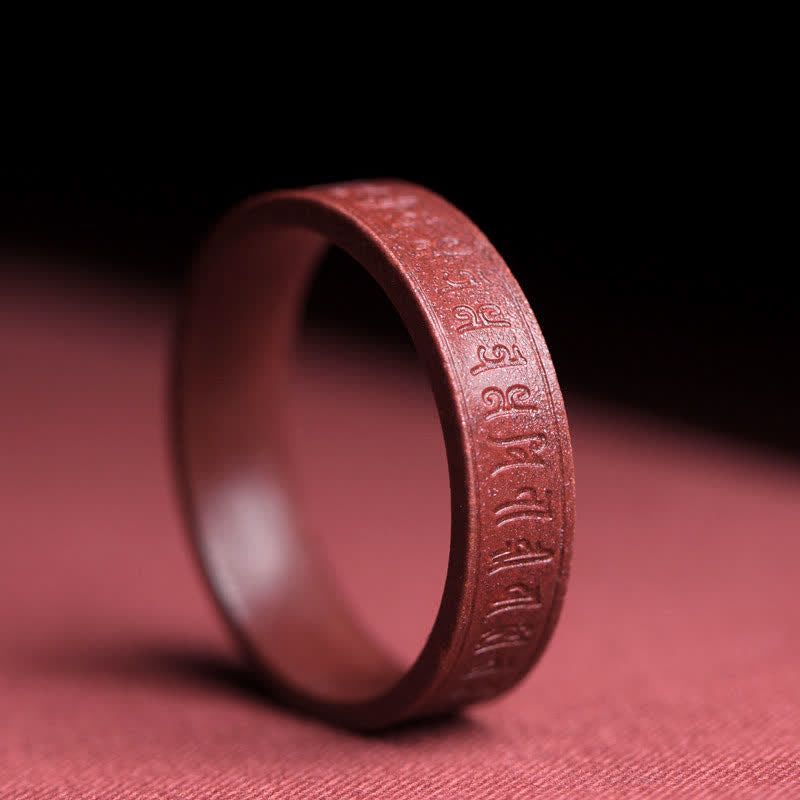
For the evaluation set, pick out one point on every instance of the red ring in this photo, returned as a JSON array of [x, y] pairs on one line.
[[505, 431]]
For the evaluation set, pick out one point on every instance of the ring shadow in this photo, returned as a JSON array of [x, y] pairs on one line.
[[217, 672]]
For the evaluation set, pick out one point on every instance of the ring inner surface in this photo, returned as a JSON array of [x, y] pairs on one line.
[[243, 316]]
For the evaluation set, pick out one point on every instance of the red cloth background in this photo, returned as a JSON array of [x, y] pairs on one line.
[[674, 671]]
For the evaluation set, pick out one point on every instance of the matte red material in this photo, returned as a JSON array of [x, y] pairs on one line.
[[674, 672], [505, 433]]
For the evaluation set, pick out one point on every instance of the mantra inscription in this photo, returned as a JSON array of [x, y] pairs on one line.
[[515, 434], [508, 401], [499, 355], [487, 315], [521, 451], [524, 516], [516, 596], [462, 279]]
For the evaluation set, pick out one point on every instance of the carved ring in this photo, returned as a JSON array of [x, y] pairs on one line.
[[505, 432]]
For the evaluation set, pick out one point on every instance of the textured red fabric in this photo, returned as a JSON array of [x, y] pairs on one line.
[[674, 671]]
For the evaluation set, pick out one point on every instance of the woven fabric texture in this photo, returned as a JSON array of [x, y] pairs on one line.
[[675, 670]]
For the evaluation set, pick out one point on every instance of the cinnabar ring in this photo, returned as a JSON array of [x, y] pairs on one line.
[[505, 432]]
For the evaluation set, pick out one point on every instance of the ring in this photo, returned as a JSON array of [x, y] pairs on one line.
[[505, 431]]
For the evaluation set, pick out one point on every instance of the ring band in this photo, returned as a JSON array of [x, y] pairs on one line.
[[505, 431]]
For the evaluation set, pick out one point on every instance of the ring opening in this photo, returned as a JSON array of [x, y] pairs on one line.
[[315, 465]]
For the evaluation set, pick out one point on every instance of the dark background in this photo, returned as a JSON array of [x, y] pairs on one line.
[[652, 266]]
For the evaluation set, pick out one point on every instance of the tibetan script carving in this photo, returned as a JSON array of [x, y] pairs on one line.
[[500, 356], [487, 315], [519, 553], [527, 503], [522, 451], [463, 279], [516, 398], [513, 634], [515, 597]]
